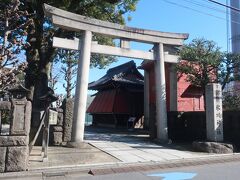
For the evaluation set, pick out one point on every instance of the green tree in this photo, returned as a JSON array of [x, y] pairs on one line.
[[230, 63], [231, 101], [205, 63], [41, 53], [203, 57]]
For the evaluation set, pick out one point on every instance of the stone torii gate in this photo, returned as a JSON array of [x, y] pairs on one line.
[[75, 22]]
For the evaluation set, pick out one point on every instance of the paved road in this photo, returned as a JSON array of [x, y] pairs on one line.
[[223, 171]]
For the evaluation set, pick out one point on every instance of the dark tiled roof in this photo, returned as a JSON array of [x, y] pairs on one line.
[[120, 74]]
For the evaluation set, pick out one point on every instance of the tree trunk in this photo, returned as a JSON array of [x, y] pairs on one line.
[[38, 57]]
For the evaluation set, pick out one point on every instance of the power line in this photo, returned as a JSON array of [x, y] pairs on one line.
[[189, 8], [201, 12], [227, 6], [205, 6], [212, 8]]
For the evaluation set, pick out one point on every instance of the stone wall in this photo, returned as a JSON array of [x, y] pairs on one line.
[[60, 134], [14, 147]]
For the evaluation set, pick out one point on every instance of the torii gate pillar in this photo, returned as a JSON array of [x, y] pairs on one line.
[[161, 109], [80, 99]]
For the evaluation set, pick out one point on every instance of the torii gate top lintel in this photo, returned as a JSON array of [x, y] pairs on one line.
[[76, 22]]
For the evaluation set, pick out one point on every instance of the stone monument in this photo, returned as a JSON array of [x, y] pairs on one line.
[[214, 123], [214, 118]]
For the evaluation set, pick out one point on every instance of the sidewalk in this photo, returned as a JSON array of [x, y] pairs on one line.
[[109, 151], [137, 148]]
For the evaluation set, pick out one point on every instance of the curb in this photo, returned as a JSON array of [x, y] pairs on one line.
[[120, 167], [166, 165]]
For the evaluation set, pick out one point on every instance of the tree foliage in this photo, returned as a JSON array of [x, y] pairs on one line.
[[40, 53], [202, 62], [13, 25], [203, 58], [108, 10], [30, 31], [205, 63], [231, 102], [230, 63]]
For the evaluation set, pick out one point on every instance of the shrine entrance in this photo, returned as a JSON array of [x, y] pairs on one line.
[[163, 51]]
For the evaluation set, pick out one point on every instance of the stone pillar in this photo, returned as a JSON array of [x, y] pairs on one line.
[[146, 99], [80, 99], [214, 117], [161, 109], [173, 87]]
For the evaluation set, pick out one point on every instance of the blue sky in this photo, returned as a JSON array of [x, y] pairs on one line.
[[162, 16], [199, 18]]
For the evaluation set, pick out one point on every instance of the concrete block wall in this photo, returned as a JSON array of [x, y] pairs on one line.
[[60, 133]]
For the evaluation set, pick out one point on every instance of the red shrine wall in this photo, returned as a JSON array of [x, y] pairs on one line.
[[189, 98]]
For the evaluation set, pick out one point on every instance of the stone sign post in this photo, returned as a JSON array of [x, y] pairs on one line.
[[214, 117]]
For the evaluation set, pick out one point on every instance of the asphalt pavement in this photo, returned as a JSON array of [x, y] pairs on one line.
[[223, 171]]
